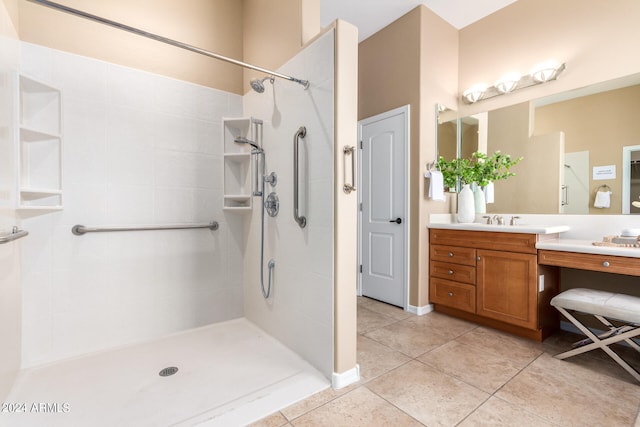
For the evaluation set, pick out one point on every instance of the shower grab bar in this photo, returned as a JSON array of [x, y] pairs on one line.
[[79, 230], [14, 235], [300, 133], [156, 37], [348, 188]]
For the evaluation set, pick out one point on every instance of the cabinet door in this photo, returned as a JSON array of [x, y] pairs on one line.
[[507, 289]]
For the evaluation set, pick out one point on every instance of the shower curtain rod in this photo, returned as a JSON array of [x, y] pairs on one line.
[[166, 40]]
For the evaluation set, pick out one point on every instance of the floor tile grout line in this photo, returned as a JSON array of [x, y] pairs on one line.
[[366, 384], [490, 395], [474, 410], [397, 407], [516, 404]]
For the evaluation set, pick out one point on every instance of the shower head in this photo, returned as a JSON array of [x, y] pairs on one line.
[[258, 84], [243, 140]]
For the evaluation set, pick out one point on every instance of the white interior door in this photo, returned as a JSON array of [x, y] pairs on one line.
[[384, 219]]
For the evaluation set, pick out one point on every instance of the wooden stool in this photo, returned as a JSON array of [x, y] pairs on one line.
[[602, 305]]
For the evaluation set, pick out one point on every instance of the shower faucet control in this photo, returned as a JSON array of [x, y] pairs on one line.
[[272, 204], [272, 179]]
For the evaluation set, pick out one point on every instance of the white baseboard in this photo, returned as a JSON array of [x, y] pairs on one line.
[[344, 379], [420, 310]]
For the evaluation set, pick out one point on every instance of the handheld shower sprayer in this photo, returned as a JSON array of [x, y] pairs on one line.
[[243, 140], [272, 201]]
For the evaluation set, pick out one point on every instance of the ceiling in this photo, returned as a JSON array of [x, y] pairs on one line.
[[370, 16]]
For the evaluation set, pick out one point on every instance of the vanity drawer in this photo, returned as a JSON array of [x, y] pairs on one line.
[[453, 294], [453, 254], [594, 262], [457, 272], [496, 241]]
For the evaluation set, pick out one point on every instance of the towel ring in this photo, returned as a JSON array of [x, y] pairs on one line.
[[605, 187]]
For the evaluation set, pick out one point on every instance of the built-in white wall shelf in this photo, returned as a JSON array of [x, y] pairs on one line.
[[237, 164], [39, 146]]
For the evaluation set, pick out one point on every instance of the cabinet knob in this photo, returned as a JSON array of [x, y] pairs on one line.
[[450, 272], [605, 264], [450, 254], [450, 294], [478, 258]]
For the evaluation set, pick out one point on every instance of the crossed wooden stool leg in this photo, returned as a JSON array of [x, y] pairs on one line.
[[603, 306]]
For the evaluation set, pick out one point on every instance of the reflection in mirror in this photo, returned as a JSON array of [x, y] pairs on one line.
[[634, 181], [631, 179], [446, 133], [562, 138], [473, 135]]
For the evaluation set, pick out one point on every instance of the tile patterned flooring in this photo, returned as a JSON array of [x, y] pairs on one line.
[[436, 370]]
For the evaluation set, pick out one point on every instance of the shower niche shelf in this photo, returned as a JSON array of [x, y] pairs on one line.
[[39, 146], [237, 164]]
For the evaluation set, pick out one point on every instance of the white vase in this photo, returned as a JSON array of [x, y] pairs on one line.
[[466, 205], [479, 199]]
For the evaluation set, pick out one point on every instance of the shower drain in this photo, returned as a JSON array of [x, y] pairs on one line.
[[168, 371]]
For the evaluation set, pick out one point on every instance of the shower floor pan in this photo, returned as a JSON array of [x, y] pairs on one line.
[[229, 374]]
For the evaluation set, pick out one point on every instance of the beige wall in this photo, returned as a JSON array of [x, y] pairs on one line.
[[593, 124], [596, 40], [275, 31], [346, 205], [260, 32], [11, 15], [389, 64], [412, 61], [438, 72], [215, 26]]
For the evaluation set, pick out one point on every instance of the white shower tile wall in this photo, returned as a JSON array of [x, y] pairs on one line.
[[300, 310], [139, 149], [10, 296]]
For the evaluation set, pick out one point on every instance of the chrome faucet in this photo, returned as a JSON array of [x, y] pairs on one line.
[[499, 220], [513, 220], [488, 217]]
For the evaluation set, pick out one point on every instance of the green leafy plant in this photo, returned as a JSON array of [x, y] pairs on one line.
[[480, 168]]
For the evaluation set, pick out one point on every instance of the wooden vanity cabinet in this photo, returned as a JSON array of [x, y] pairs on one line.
[[507, 287], [492, 278]]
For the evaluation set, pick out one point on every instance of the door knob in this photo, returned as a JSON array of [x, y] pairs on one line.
[[397, 220]]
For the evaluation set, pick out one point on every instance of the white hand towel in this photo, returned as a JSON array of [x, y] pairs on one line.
[[489, 193], [436, 186], [603, 199]]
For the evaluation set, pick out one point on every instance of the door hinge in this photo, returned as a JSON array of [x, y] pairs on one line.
[[361, 144], [360, 207], [360, 268]]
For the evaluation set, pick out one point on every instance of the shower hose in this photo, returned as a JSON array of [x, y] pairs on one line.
[[271, 263]]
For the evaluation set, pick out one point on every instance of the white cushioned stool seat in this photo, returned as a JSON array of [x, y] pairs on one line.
[[603, 306], [606, 304]]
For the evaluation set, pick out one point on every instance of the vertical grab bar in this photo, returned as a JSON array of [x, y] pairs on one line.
[[300, 133], [348, 188]]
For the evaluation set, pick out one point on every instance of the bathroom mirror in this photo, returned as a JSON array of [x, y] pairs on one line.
[[572, 144], [446, 133]]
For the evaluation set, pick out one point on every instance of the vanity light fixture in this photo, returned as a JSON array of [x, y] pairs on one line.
[[474, 93], [541, 73], [544, 71], [507, 83]]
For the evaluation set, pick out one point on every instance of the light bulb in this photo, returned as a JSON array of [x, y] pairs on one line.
[[507, 83], [545, 71], [474, 93]]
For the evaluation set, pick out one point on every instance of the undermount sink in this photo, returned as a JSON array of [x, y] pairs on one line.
[[519, 228]]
